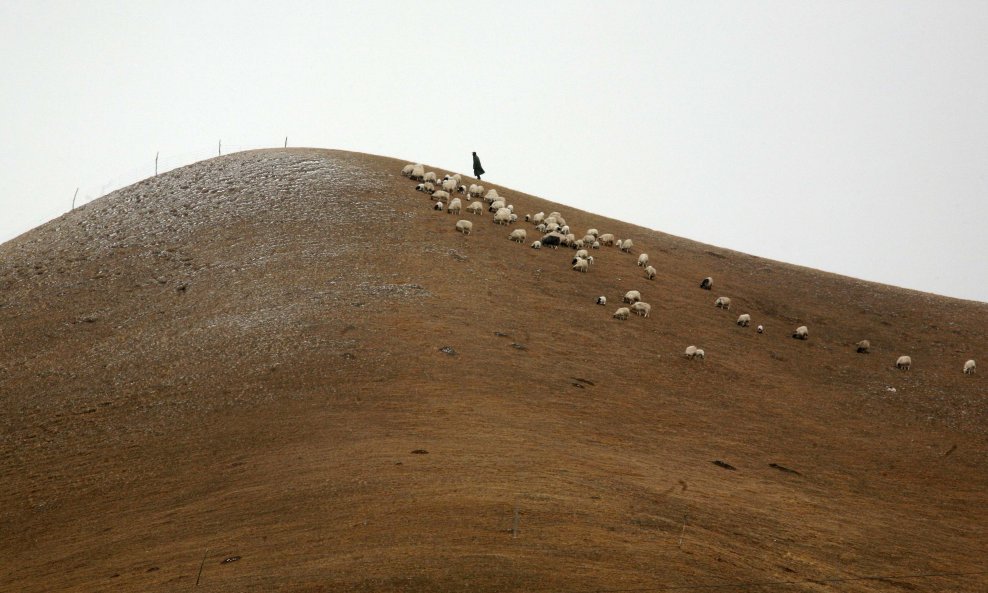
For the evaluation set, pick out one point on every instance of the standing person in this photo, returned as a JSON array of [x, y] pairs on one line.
[[477, 169]]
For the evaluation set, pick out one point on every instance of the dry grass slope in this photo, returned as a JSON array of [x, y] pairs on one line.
[[238, 365]]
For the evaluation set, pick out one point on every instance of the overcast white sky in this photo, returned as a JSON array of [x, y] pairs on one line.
[[846, 136]]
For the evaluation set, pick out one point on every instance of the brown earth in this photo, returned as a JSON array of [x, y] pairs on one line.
[[237, 366]]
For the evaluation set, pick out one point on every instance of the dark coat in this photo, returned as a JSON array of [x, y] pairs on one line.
[[477, 169]]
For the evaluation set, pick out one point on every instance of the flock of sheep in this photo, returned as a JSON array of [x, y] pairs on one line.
[[554, 232]]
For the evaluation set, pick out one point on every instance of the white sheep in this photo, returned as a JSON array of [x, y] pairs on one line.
[[595, 245], [542, 228], [582, 254], [518, 236], [441, 195], [700, 354], [514, 217], [475, 191], [496, 205], [723, 303], [632, 296], [476, 208], [454, 206], [406, 171], [601, 300], [642, 259], [862, 347], [491, 195], [464, 226], [593, 232], [744, 320], [438, 206], [690, 352], [801, 333], [430, 176], [760, 329], [418, 172], [650, 273], [449, 185], [428, 187], [606, 239], [970, 367], [581, 265], [579, 244], [622, 313], [502, 216], [537, 245], [564, 229], [461, 189], [642, 308], [626, 245], [707, 283], [538, 217], [904, 363]]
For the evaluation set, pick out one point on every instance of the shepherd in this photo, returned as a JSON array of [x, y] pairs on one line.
[[477, 169]]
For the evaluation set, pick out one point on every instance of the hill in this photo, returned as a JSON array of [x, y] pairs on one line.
[[280, 370]]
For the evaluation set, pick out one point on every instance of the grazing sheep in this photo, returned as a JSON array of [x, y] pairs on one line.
[[862, 347], [579, 244], [553, 240], [582, 254], [514, 217], [690, 352], [454, 206], [464, 226], [650, 273], [632, 296], [581, 265], [475, 191], [970, 367], [760, 329], [744, 320], [723, 303], [642, 308], [564, 230], [904, 363], [707, 283], [642, 259], [418, 172], [441, 195], [496, 205], [601, 300], [626, 245], [491, 195], [606, 239], [518, 236], [438, 206], [622, 313], [593, 232], [461, 189], [449, 185], [538, 217], [420, 187], [595, 245], [406, 171], [476, 208], [537, 245], [589, 239], [430, 176], [801, 333], [700, 354], [502, 216]]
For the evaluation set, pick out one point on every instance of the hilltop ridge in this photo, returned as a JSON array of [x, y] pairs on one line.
[[285, 361]]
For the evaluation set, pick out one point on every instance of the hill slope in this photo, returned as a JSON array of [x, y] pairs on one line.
[[239, 366]]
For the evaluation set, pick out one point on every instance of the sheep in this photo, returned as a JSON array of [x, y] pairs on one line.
[[626, 245], [632, 296], [464, 226], [518, 236], [707, 283], [475, 191], [582, 254], [760, 329], [454, 206], [595, 245], [418, 172], [801, 333], [700, 354], [430, 176], [538, 217], [502, 216], [542, 228], [593, 232], [406, 171], [564, 230], [428, 187], [862, 347], [496, 205], [491, 195], [650, 273], [536, 244], [420, 187], [570, 239], [449, 185], [476, 208], [606, 239], [723, 303], [461, 189], [970, 367], [622, 313], [690, 352], [553, 240], [438, 206], [642, 308], [904, 363], [441, 195], [514, 217], [579, 244], [581, 265], [643, 260], [744, 320], [601, 300]]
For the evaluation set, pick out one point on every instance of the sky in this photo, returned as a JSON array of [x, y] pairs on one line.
[[848, 136]]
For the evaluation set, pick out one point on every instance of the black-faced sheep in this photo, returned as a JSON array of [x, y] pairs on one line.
[[723, 303], [694, 352], [601, 300], [622, 313], [464, 226], [744, 319], [801, 333], [707, 283], [438, 206], [970, 367], [904, 363], [406, 171], [862, 347], [760, 329]]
